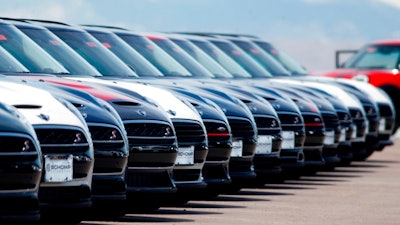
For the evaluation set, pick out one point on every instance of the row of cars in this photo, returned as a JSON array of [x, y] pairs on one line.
[[98, 116]]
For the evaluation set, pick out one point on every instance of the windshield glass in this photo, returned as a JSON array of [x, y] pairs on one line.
[[224, 60], [261, 57], [158, 57], [241, 58], [27, 52], [53, 45], [126, 53], [95, 53], [375, 57], [286, 61], [195, 68], [210, 64], [10, 64]]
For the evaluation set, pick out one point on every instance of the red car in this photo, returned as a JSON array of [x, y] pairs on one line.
[[377, 63]]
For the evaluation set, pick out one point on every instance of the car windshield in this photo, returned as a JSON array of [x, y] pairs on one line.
[[261, 57], [375, 57], [286, 61], [95, 53], [241, 58], [53, 45], [27, 52], [126, 53], [210, 64], [158, 57], [10, 64], [224, 60], [180, 55]]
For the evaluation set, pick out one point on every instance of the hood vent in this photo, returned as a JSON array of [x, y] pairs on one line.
[[28, 106], [126, 103]]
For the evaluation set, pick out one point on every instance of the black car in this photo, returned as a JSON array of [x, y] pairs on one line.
[[21, 167]]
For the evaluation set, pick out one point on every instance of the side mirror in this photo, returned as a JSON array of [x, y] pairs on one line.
[[339, 54]]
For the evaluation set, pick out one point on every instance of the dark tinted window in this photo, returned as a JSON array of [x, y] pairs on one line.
[[265, 60], [127, 54], [53, 45], [95, 53], [242, 59], [159, 58], [182, 57], [27, 52], [375, 57]]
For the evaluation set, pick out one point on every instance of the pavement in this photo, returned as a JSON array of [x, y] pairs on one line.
[[364, 193]]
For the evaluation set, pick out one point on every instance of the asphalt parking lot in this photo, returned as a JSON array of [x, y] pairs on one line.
[[365, 192]]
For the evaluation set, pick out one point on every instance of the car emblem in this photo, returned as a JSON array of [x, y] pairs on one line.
[[358, 114], [141, 112], [44, 117], [221, 129], [84, 115], [296, 120], [273, 123], [167, 131], [277, 106], [172, 112]]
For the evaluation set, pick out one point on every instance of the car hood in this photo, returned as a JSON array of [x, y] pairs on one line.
[[174, 107], [39, 106]]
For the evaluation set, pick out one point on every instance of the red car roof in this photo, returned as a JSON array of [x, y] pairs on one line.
[[387, 42]]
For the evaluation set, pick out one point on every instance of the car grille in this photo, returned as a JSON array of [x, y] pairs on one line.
[[291, 121], [106, 137], [357, 115], [217, 131], [331, 120], [61, 140], [189, 132], [344, 118], [241, 127], [312, 120], [371, 111], [385, 110], [267, 125], [64, 141], [149, 133], [14, 144]]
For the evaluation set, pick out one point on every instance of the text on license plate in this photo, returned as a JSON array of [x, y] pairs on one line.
[[288, 140], [329, 138], [58, 168], [185, 156], [237, 148], [264, 144]]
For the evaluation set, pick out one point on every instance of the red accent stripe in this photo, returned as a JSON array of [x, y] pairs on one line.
[[218, 134]]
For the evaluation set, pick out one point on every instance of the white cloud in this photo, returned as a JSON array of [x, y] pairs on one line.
[[394, 3]]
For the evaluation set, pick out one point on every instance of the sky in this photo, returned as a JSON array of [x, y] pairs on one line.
[[308, 30]]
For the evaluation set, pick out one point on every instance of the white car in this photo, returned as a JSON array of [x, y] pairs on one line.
[[66, 145]]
